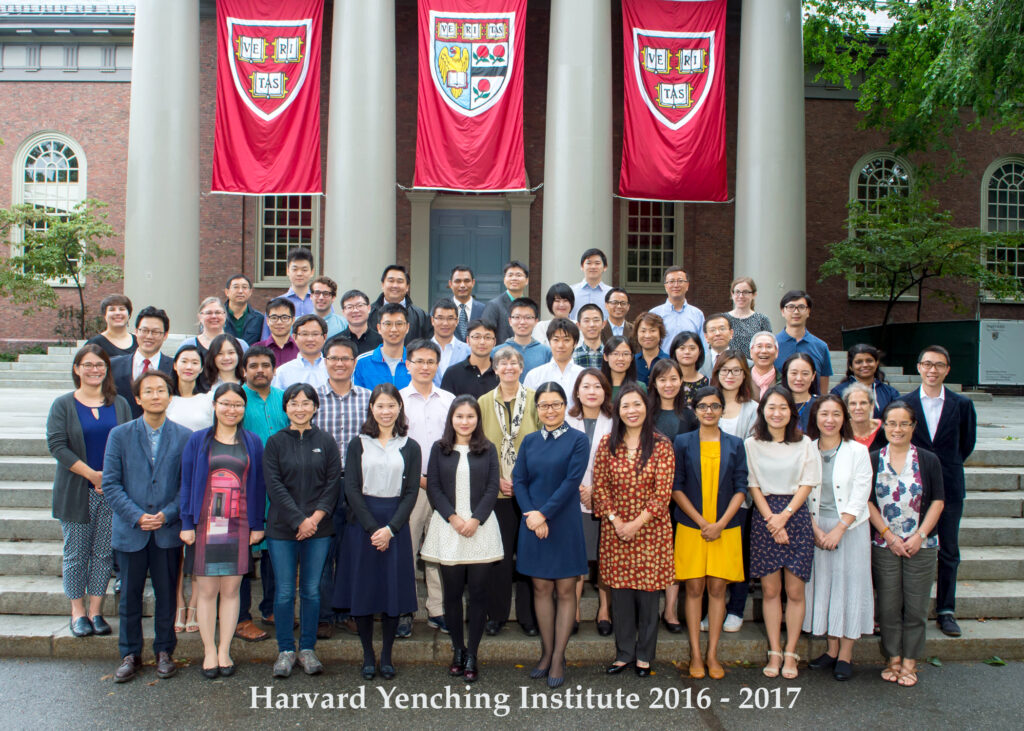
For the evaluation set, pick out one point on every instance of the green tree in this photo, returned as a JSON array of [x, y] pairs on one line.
[[902, 242], [944, 65], [57, 247]]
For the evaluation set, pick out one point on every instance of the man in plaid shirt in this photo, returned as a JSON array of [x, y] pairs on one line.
[[590, 352]]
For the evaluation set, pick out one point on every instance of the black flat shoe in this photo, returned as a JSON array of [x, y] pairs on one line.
[[458, 666], [822, 661], [493, 627], [643, 672], [387, 672], [539, 672], [842, 670], [99, 625], [604, 627], [211, 673], [554, 682], [369, 672], [226, 671], [529, 630], [673, 627], [948, 626], [614, 669], [81, 627]]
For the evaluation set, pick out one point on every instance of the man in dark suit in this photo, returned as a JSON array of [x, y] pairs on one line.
[[141, 482], [616, 303], [498, 310], [151, 327], [946, 426], [461, 283], [394, 284]]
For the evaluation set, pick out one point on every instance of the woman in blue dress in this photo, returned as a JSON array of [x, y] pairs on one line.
[[548, 472]]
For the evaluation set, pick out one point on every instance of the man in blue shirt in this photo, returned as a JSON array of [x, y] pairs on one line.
[[386, 362], [309, 332], [796, 308], [300, 273], [323, 292], [445, 319], [591, 291], [522, 318], [678, 315]]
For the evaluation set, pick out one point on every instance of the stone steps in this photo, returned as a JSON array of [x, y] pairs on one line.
[[993, 504], [990, 563], [14, 494], [28, 524], [27, 469], [31, 558], [989, 531]]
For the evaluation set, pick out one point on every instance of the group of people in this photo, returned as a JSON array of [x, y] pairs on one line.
[[670, 454]]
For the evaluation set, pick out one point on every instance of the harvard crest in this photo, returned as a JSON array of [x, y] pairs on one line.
[[269, 62], [674, 72], [471, 58]]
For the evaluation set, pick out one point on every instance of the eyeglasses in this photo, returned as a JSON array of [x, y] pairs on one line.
[[280, 318], [617, 303], [314, 334], [551, 406], [230, 405], [339, 359], [708, 407], [522, 318], [796, 308], [211, 313], [742, 292], [931, 365], [899, 424], [424, 362], [676, 282], [147, 332], [93, 366], [394, 325], [717, 330], [730, 371], [322, 293], [481, 338], [355, 306]]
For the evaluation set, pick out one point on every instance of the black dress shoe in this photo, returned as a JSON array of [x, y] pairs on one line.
[[615, 669], [81, 627], [387, 672], [604, 627], [369, 671], [117, 586], [575, 627], [226, 671], [99, 625], [822, 661], [842, 671], [130, 665], [643, 672], [529, 630], [458, 666], [493, 627], [673, 627], [472, 671], [165, 666], [947, 623]]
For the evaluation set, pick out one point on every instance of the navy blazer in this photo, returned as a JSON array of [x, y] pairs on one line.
[[121, 369], [954, 438], [732, 476], [133, 484]]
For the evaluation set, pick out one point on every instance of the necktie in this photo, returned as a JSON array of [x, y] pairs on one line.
[[145, 364], [463, 322]]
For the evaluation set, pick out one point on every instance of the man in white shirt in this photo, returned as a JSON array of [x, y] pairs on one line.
[[591, 291], [310, 332], [461, 283], [616, 303], [677, 314], [426, 409], [562, 334], [718, 334], [151, 328], [445, 318]]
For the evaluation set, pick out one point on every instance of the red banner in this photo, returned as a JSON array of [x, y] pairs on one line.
[[469, 128], [673, 139], [267, 135]]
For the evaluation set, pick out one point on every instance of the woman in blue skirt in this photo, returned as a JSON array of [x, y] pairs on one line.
[[552, 550], [375, 564]]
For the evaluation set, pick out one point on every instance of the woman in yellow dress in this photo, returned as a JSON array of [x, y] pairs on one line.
[[710, 487]]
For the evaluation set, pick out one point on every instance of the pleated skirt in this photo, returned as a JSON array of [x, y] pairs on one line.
[[838, 596]]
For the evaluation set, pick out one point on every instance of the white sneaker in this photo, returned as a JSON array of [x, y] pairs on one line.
[[732, 623], [704, 624]]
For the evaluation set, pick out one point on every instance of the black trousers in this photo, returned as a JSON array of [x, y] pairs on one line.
[[949, 557], [503, 573], [635, 618], [454, 580], [162, 565]]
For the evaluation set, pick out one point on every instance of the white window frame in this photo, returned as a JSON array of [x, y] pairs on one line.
[[990, 171], [18, 189], [313, 245], [657, 287], [853, 291]]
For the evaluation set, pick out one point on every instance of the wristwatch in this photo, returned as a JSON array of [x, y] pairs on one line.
[[789, 510], [611, 517], [924, 536]]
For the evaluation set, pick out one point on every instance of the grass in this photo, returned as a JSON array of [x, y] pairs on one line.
[[12, 355]]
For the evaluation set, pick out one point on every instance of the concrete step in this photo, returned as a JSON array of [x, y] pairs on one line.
[[45, 595], [61, 367], [51, 357], [31, 558], [25, 446], [992, 531], [29, 469], [26, 494], [35, 374], [985, 599], [29, 524], [998, 454], [991, 563], [49, 384], [984, 479], [994, 504]]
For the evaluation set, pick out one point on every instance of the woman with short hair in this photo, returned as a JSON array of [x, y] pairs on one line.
[[764, 349], [212, 317], [619, 364], [744, 321], [560, 300], [648, 331], [116, 311], [860, 404]]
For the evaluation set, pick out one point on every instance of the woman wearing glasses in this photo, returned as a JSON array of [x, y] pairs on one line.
[[745, 322], [212, 317]]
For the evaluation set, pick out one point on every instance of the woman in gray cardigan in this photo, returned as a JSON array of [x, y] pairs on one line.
[[76, 435]]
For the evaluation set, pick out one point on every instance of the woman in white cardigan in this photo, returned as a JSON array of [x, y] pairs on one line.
[[838, 596], [591, 414]]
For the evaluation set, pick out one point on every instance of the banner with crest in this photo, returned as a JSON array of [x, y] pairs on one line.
[[469, 128], [267, 132], [673, 137]]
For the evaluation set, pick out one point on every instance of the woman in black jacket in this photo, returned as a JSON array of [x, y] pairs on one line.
[[463, 536], [302, 471], [375, 564]]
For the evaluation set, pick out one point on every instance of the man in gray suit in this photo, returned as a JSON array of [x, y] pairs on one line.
[[141, 481], [469, 308]]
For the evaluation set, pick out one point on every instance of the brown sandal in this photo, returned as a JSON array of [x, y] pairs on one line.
[[893, 669], [908, 678]]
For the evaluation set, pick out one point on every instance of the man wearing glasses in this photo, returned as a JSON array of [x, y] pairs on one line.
[[475, 375], [522, 318], [309, 333], [323, 291], [241, 320], [356, 306], [616, 304], [946, 426], [796, 309], [445, 319], [718, 334], [280, 315], [151, 326], [677, 314], [461, 283], [386, 362]]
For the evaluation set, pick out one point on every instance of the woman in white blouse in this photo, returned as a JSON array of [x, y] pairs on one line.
[[783, 468], [839, 595]]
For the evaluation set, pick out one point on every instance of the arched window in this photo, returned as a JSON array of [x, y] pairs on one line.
[[1002, 210], [875, 177]]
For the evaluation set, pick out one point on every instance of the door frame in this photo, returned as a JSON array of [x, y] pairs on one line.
[[424, 201]]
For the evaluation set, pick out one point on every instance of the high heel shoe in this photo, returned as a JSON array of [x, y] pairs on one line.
[[191, 620], [768, 671], [673, 627], [458, 666], [471, 671], [179, 619]]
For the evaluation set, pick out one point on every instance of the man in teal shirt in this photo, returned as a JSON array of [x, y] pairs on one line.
[[264, 415]]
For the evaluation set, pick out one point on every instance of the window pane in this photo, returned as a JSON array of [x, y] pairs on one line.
[[1005, 214], [288, 223]]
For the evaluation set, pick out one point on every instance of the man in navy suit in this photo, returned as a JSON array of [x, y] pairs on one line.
[[141, 482], [151, 327], [947, 426], [461, 283]]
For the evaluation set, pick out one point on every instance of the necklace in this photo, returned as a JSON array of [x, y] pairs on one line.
[[827, 455]]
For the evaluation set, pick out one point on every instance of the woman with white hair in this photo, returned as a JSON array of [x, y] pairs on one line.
[[860, 402], [763, 352]]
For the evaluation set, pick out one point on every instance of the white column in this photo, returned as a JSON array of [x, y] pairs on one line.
[[359, 208], [770, 243], [161, 238], [578, 138]]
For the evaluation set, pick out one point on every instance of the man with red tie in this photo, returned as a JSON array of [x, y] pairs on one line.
[[151, 328]]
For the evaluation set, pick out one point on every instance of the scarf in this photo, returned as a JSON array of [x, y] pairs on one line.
[[509, 432], [764, 382]]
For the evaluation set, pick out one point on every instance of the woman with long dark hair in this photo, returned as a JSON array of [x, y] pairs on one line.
[[375, 567], [619, 365], [633, 473], [223, 362], [463, 535], [863, 366], [191, 404], [687, 349], [223, 500], [546, 482], [76, 435]]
